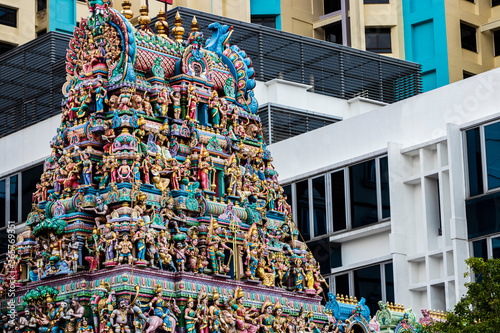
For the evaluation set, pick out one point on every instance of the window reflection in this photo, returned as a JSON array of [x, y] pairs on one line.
[[14, 199], [479, 249], [495, 244], [30, 178], [492, 140], [338, 200], [474, 162], [384, 187], [363, 194], [302, 189], [342, 284], [319, 206], [367, 284], [2, 203]]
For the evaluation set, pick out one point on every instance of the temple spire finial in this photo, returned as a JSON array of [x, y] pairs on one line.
[[194, 24], [178, 30], [127, 11], [144, 19], [162, 24]]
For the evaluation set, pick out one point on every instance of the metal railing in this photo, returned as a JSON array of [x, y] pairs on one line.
[[332, 69], [31, 78], [281, 122]]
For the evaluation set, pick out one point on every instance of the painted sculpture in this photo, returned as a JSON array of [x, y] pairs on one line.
[[159, 208]]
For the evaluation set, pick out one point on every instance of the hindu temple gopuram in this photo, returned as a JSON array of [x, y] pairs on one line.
[[159, 208]]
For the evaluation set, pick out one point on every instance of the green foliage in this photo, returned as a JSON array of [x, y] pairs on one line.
[[479, 309]]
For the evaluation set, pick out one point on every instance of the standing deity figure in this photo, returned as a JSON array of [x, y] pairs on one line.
[[214, 105], [86, 168], [125, 250], [109, 239], [243, 318], [215, 313], [49, 320], [234, 173], [266, 319], [192, 102], [136, 169], [164, 100], [73, 252], [77, 311], [279, 324], [100, 96], [146, 167], [108, 136], [298, 276], [124, 172], [202, 311], [253, 249], [215, 249], [161, 308], [140, 239], [180, 256], [190, 316], [119, 317], [176, 104], [203, 170]]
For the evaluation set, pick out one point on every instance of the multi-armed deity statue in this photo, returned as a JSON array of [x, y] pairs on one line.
[[159, 207]]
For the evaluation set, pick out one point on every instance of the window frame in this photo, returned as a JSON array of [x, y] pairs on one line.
[[484, 165], [329, 203], [489, 244], [378, 30], [376, 2], [466, 24], [16, 10], [350, 274], [263, 17]]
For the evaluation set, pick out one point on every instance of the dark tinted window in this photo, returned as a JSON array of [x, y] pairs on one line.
[[474, 162], [367, 2], [342, 284], [378, 40], [333, 33], [321, 252], [468, 37], [338, 200], [268, 21], [479, 249], [495, 245], [363, 194], [41, 5], [30, 178], [2, 203], [495, 3], [332, 6], [496, 38], [319, 204], [384, 184], [4, 47], [492, 140], [14, 198], [287, 190], [336, 255], [483, 215], [302, 189], [8, 16], [389, 282], [367, 284]]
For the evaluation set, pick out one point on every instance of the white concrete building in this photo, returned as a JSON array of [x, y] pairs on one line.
[[382, 196]]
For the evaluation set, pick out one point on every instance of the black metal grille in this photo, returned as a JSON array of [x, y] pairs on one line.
[[332, 69], [31, 77], [282, 122]]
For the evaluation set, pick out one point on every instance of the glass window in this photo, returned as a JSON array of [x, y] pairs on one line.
[[5, 47], [4, 243], [367, 284], [363, 194], [14, 199], [468, 37], [8, 16], [302, 189], [384, 187], [495, 3], [368, 2], [267, 21], [29, 178], [41, 5], [342, 284], [321, 252], [378, 40], [496, 39], [335, 255], [333, 33], [479, 249], [2, 203], [319, 206], [495, 245], [332, 6], [492, 141], [338, 200], [287, 194], [483, 215], [389, 282], [474, 162]]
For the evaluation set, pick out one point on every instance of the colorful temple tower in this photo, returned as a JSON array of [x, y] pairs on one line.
[[159, 208]]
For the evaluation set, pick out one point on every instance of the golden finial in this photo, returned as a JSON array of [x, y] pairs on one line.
[[341, 299], [127, 12], [162, 24], [194, 24], [144, 19], [351, 300], [178, 30], [355, 300]]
